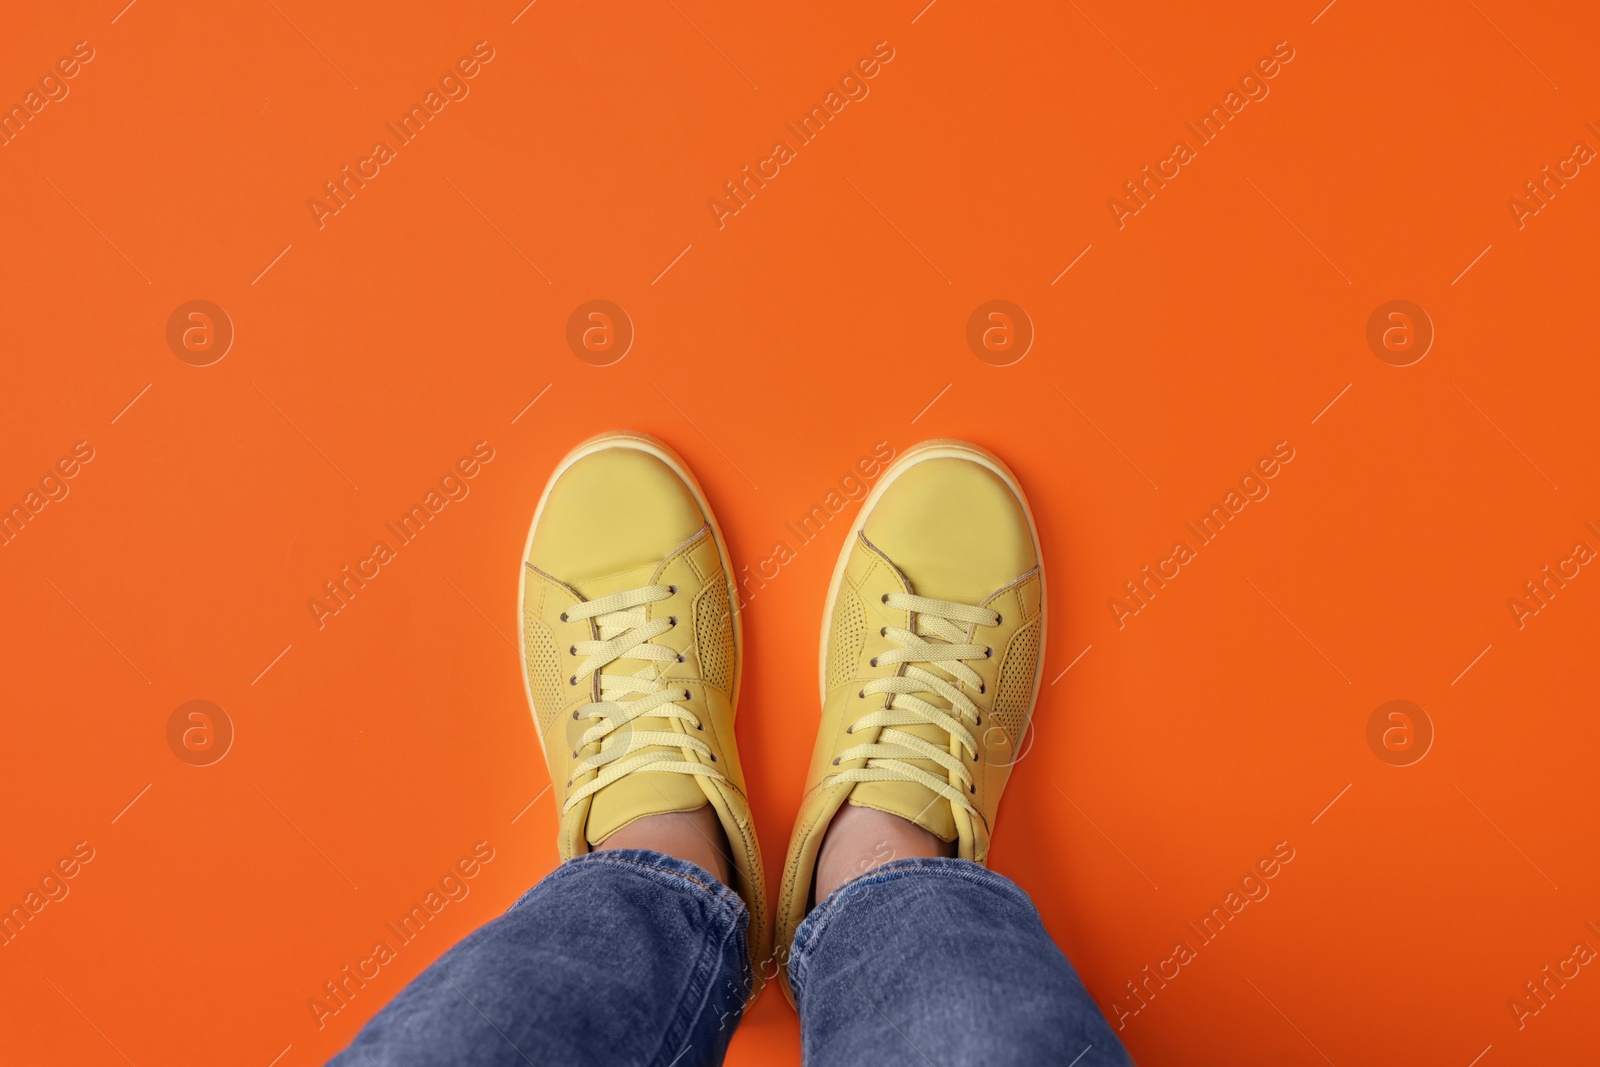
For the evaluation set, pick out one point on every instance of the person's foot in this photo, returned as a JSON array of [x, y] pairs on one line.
[[929, 668], [630, 648]]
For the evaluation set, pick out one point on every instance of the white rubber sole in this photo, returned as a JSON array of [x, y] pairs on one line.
[[659, 449], [939, 448]]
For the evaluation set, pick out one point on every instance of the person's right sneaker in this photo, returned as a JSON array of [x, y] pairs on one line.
[[932, 648]]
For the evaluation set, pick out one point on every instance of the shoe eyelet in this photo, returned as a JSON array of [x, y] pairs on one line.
[[573, 680], [673, 619], [563, 616], [873, 661], [574, 713], [836, 761], [999, 618], [883, 631], [861, 695], [680, 657], [987, 653], [713, 757], [973, 788], [572, 650], [884, 599], [574, 753], [849, 729], [982, 689], [699, 726], [687, 695], [979, 721], [672, 590]]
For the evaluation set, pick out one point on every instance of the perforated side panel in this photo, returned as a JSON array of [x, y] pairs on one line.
[[1014, 690], [544, 670], [845, 636], [713, 633]]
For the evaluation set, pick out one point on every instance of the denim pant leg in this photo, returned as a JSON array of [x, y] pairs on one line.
[[618, 957], [939, 961]]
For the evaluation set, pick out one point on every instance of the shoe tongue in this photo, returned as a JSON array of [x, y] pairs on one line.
[[643, 792], [913, 802], [640, 794], [595, 586]]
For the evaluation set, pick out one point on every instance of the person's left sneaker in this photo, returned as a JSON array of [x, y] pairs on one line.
[[630, 647]]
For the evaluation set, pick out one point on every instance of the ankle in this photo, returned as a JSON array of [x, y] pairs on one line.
[[695, 836], [860, 840]]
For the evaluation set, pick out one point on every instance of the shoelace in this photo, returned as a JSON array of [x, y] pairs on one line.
[[625, 633], [946, 622]]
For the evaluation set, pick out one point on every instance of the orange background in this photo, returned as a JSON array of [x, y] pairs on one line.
[[425, 316]]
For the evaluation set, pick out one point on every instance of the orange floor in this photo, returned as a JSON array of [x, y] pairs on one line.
[[1273, 500]]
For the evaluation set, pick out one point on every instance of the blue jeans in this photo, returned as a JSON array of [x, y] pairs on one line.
[[632, 957]]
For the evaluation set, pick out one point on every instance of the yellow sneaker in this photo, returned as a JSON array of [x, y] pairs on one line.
[[930, 659], [630, 649]]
